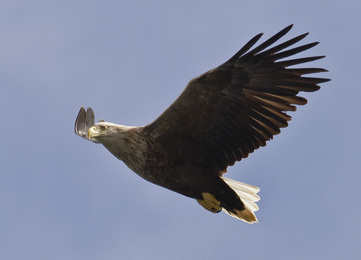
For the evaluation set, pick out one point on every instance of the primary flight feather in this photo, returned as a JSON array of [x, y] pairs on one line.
[[222, 116]]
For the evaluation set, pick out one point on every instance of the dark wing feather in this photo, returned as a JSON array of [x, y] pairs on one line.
[[235, 108], [83, 122]]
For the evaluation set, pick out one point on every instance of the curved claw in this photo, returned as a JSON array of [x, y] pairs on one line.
[[83, 122]]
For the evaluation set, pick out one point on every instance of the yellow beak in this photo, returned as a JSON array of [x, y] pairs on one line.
[[92, 132]]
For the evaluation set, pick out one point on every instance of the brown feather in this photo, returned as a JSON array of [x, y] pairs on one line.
[[288, 63], [284, 54], [283, 45], [240, 105], [271, 40]]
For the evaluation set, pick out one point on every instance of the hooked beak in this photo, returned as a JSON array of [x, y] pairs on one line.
[[93, 133]]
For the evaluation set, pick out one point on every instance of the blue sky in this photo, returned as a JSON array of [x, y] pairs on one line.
[[64, 198]]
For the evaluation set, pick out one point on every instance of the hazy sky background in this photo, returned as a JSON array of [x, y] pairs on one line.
[[64, 198]]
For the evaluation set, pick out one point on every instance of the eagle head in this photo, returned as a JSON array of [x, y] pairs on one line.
[[102, 131]]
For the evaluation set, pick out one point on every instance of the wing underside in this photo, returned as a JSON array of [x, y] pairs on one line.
[[240, 105]]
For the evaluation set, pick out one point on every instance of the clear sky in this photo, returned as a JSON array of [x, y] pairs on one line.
[[64, 198]]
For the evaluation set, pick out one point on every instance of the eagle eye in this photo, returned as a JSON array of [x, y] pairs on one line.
[[102, 127]]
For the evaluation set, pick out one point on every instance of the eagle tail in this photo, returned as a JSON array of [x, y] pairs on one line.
[[248, 195], [235, 198]]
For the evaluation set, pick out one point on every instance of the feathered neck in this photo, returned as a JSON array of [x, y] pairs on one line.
[[129, 145]]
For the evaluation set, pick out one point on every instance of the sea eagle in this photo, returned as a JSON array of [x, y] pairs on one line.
[[221, 117]]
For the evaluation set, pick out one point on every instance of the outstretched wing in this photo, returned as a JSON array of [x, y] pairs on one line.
[[235, 108]]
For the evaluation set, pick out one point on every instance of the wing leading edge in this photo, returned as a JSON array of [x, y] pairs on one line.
[[235, 108]]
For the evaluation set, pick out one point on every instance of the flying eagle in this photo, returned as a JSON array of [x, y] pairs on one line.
[[221, 117]]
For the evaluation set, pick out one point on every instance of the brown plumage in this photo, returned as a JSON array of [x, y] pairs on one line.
[[221, 117]]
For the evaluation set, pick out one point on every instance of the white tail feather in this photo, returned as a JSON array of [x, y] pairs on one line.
[[248, 195]]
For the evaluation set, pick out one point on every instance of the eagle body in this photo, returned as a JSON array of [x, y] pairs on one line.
[[220, 118], [174, 162], [161, 162]]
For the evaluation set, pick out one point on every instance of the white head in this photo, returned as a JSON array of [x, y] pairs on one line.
[[104, 131], [101, 132]]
